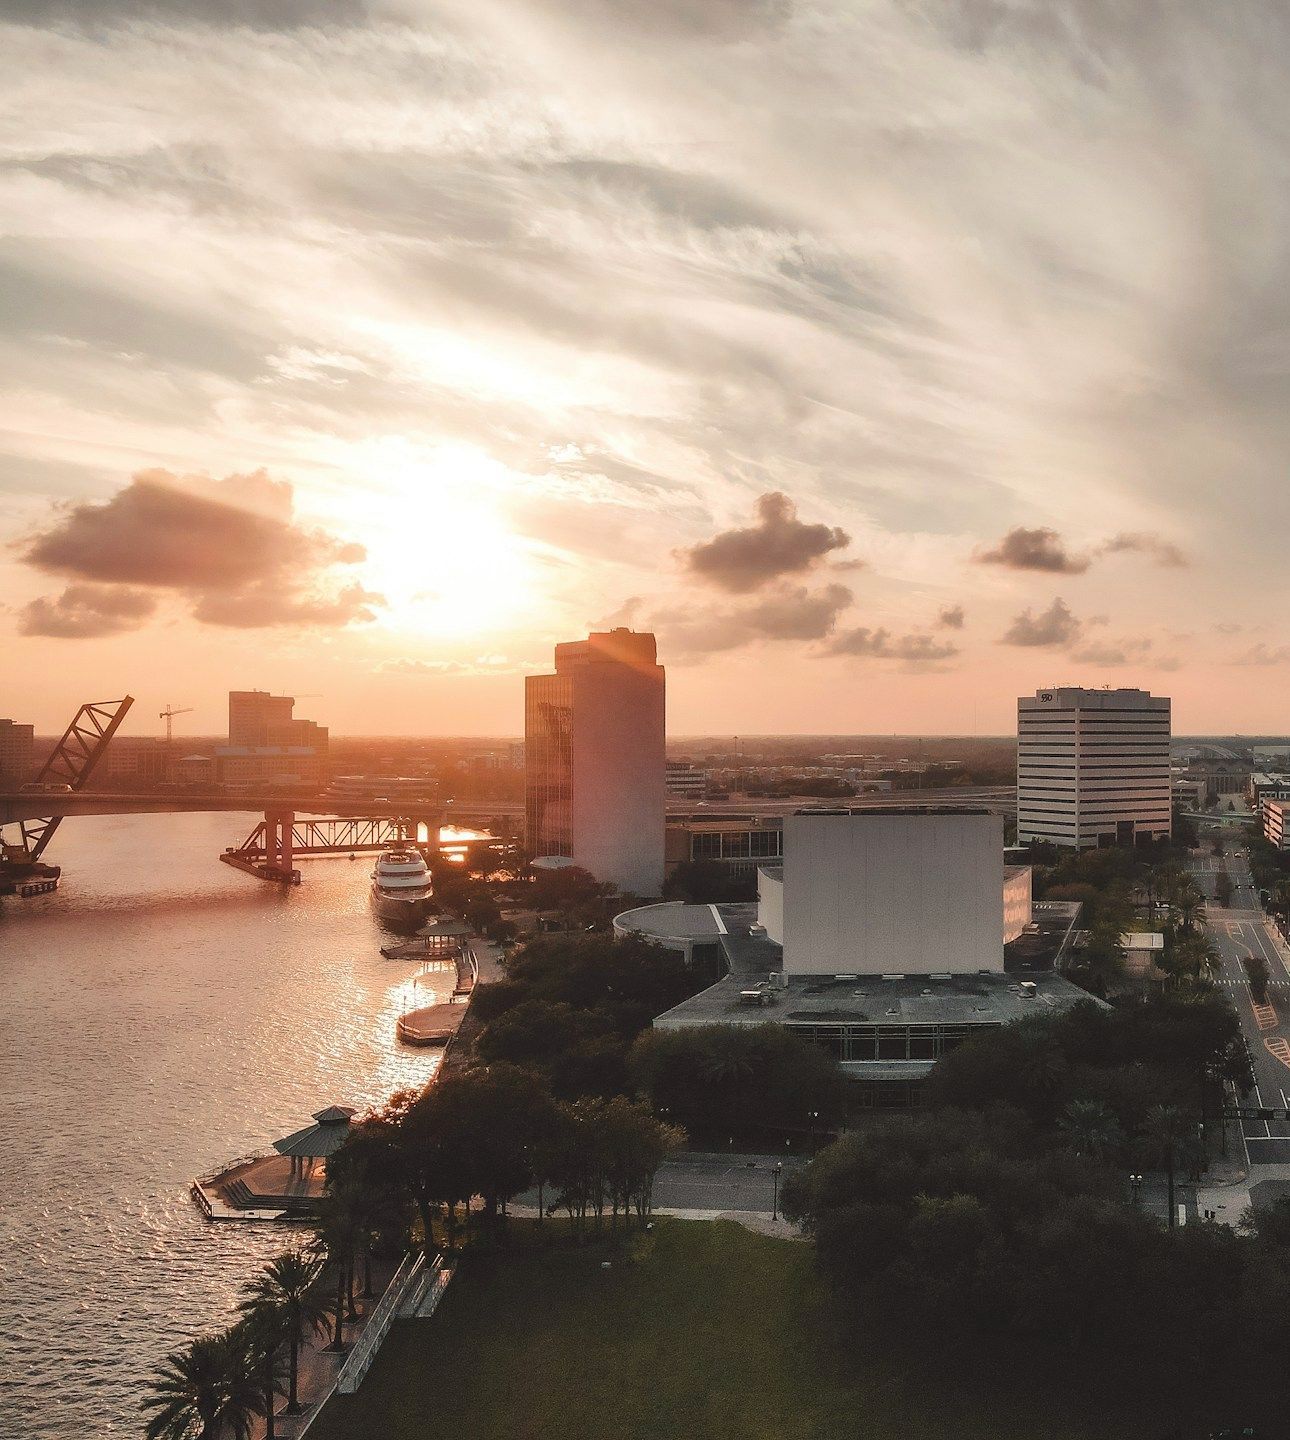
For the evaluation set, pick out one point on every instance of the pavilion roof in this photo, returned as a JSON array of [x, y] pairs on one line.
[[323, 1138]]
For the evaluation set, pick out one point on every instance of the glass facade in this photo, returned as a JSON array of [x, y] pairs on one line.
[[548, 761], [887, 1042]]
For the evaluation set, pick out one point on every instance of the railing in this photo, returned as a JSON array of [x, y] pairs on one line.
[[359, 1360]]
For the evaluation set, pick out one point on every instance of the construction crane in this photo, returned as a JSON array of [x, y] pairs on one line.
[[168, 715]]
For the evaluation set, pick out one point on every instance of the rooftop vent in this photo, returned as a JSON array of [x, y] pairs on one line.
[[757, 931]]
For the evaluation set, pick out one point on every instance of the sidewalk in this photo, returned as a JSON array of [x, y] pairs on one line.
[[319, 1366]]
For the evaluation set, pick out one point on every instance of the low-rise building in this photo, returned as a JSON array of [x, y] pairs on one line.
[[738, 842], [683, 782], [244, 765], [1276, 822], [886, 937], [1263, 785]]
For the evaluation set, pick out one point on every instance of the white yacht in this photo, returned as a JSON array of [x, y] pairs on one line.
[[401, 886]]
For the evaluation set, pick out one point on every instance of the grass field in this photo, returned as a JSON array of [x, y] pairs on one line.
[[699, 1329]]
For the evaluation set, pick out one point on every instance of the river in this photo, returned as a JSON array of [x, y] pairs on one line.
[[160, 1014]]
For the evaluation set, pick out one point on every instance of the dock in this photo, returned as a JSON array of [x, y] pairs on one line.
[[432, 1024]]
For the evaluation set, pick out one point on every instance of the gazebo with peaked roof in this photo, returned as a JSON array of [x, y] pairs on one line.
[[319, 1140]]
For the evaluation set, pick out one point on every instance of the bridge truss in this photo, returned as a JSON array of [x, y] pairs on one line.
[[269, 851], [72, 763]]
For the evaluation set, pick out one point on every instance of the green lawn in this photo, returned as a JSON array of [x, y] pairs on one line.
[[701, 1329]]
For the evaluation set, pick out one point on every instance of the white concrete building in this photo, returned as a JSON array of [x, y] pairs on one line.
[[594, 759], [1093, 767], [888, 893]]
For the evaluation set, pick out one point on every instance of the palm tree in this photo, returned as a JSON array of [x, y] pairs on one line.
[[1092, 1129], [1167, 1132], [342, 1217], [203, 1391], [289, 1284], [262, 1337]]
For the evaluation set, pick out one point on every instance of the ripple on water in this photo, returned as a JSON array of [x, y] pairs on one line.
[[162, 1014]]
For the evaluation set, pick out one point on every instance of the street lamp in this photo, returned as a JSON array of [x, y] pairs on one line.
[[776, 1172], [1135, 1182]]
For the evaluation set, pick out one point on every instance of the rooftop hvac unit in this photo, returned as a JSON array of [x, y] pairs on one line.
[[752, 997], [1029, 989], [757, 932], [777, 980]]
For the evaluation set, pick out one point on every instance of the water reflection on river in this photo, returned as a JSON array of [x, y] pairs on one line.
[[159, 1015]]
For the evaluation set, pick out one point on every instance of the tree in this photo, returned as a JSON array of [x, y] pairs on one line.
[[719, 1081], [708, 882], [408, 1126], [1256, 971], [1092, 1129], [202, 1392], [1167, 1130], [290, 1285], [342, 1216], [262, 1340]]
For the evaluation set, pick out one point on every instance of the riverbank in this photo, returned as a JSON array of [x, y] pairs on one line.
[[214, 1015]]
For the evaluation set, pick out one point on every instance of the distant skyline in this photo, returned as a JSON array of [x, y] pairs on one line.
[[888, 362]]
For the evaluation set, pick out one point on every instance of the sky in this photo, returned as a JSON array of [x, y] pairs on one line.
[[887, 359]]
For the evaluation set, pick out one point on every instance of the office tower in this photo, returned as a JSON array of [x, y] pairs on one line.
[[266, 744], [17, 747], [1093, 767], [594, 759]]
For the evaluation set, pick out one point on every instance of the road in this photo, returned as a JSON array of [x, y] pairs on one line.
[[1236, 931]]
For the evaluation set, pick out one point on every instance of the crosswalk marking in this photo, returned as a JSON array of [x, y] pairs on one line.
[[1279, 1048]]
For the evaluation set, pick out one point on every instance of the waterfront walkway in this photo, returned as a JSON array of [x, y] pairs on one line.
[[320, 1366]]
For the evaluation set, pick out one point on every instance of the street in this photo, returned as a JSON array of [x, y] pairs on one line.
[[1237, 931]]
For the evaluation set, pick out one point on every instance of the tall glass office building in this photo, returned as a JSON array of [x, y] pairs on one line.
[[594, 759]]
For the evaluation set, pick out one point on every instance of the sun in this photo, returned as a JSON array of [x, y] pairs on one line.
[[439, 547]]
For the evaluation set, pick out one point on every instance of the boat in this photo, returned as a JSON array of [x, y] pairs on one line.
[[401, 886]]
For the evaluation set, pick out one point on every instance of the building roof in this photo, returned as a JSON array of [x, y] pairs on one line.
[[321, 1139], [984, 999], [677, 920]]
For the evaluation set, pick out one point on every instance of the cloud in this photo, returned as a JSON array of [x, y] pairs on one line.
[[1262, 654], [1042, 549], [483, 665], [86, 612], [951, 617], [880, 644], [1054, 626], [779, 544], [625, 614], [230, 547], [1128, 650], [790, 612], [1163, 552]]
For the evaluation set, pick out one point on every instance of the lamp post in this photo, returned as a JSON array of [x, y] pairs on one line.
[[774, 1210], [1135, 1183]]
